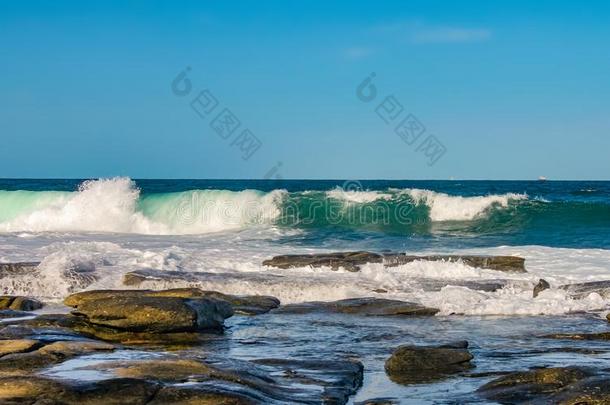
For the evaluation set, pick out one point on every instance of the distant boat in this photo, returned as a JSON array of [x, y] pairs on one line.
[[542, 178]]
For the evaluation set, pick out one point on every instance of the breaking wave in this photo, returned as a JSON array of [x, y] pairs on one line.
[[117, 205]]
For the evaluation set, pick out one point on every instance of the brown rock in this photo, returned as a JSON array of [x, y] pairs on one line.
[[530, 385], [417, 364], [19, 303], [360, 306], [352, 261], [541, 286]]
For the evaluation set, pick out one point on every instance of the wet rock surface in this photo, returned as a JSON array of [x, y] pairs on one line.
[[418, 364], [351, 261], [540, 287], [560, 385], [25, 356], [242, 304], [581, 290], [151, 311], [360, 306], [19, 303]]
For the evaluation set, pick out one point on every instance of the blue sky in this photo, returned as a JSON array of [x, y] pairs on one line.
[[512, 89]]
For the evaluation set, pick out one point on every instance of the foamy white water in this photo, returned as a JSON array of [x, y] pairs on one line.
[[74, 262]]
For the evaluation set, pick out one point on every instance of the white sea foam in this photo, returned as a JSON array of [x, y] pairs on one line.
[[115, 205], [445, 207], [357, 196]]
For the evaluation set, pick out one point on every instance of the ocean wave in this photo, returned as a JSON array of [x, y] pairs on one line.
[[116, 205]]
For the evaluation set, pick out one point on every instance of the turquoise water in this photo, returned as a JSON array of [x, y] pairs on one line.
[[390, 214]]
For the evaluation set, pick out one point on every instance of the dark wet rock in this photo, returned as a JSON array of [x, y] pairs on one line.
[[360, 306], [499, 263], [219, 380], [534, 385], [428, 284], [25, 361], [242, 304], [590, 391], [179, 310], [581, 290], [580, 336], [200, 395], [40, 390], [541, 286], [378, 401], [19, 303], [18, 269], [351, 261], [418, 364], [52, 327], [9, 313]]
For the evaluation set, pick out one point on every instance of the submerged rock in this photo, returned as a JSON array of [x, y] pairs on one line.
[[180, 310], [223, 381], [580, 336], [417, 364], [351, 261], [19, 303], [540, 287], [24, 356], [547, 385], [360, 306], [581, 290]]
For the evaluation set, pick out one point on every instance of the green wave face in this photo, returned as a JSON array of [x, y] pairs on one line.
[[117, 206]]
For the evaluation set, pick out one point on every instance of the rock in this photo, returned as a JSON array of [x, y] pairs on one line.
[[580, 336], [18, 269], [200, 395], [418, 364], [534, 384], [378, 401], [155, 314], [581, 290], [219, 380], [352, 261], [360, 306], [25, 361], [30, 390], [40, 390], [17, 346], [19, 303], [248, 305], [10, 313], [594, 390], [541, 286], [52, 327]]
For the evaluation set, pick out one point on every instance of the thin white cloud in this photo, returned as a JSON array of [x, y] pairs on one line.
[[448, 35]]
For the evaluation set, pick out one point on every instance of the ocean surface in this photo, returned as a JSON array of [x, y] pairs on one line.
[[89, 233]]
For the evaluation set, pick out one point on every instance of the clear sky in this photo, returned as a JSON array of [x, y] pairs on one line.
[[512, 89]]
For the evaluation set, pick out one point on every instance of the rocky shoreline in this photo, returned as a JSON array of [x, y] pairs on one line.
[[149, 346]]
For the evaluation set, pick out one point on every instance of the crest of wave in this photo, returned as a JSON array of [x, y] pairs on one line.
[[106, 205], [445, 207], [356, 196]]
